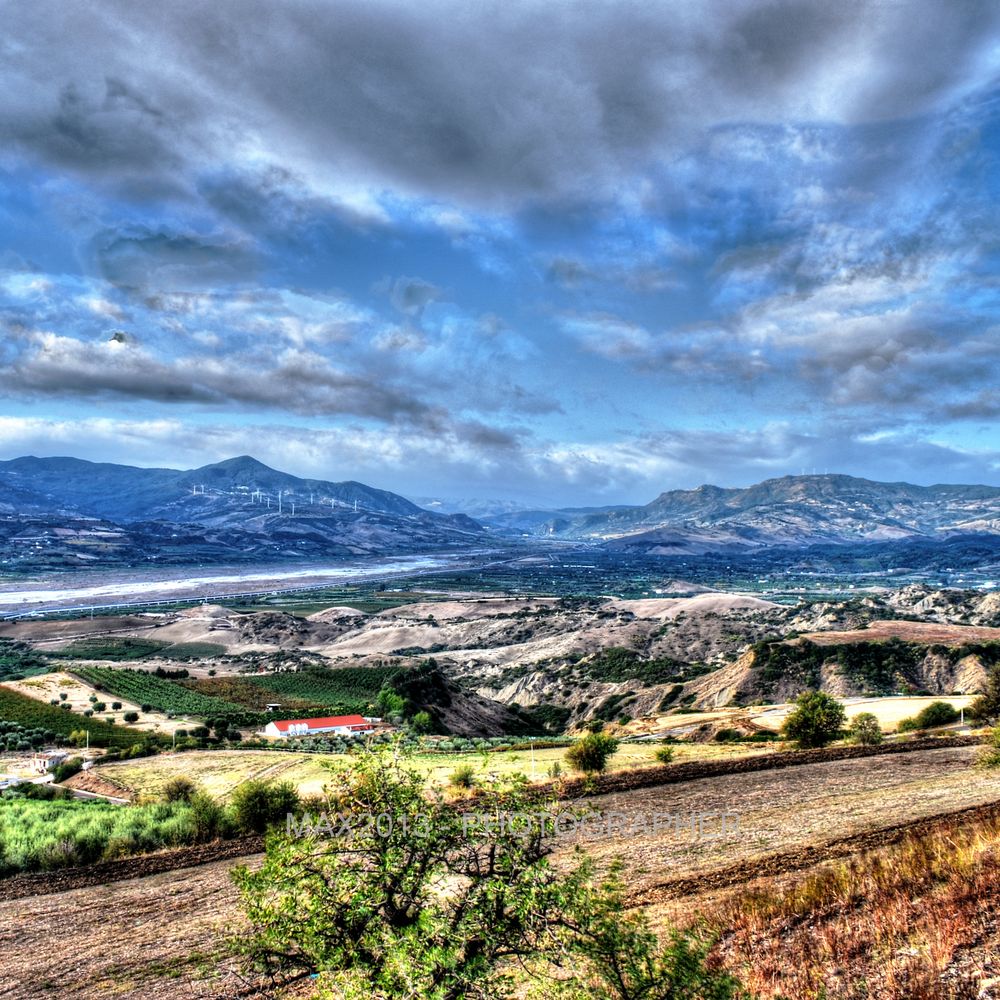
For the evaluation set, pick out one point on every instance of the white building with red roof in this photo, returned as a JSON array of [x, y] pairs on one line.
[[333, 725]]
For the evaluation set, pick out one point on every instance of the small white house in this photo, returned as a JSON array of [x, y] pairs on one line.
[[334, 725]]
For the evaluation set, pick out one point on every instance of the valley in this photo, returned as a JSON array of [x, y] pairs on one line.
[[138, 699]]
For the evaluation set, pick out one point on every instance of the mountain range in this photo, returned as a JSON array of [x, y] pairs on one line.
[[790, 511], [57, 513], [241, 509]]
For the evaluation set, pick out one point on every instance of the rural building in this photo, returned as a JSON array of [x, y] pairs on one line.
[[43, 762], [335, 725]]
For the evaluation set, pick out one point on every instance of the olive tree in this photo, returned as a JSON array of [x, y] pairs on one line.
[[392, 892]]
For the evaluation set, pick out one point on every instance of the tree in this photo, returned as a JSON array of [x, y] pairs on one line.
[[987, 705], [131, 716], [815, 721], [590, 754], [865, 730], [432, 902], [422, 722]]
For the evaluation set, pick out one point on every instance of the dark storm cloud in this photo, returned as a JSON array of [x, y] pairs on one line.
[[48, 366], [487, 103]]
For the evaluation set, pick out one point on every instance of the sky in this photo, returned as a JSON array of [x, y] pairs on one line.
[[555, 253]]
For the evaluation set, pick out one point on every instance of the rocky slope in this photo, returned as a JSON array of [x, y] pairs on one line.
[[790, 511]]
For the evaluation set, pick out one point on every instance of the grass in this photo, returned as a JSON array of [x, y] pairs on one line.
[[907, 921], [34, 714], [40, 836]]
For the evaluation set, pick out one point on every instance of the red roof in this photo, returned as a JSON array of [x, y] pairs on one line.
[[330, 722]]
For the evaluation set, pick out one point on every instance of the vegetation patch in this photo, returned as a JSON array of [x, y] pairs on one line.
[[33, 714], [346, 689], [105, 647], [18, 660], [145, 688]]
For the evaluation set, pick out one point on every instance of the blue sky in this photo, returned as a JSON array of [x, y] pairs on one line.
[[558, 253]]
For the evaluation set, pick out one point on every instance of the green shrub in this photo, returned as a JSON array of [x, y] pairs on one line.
[[937, 713], [865, 730], [179, 789], [665, 754], [131, 716], [591, 753], [464, 776], [257, 805], [728, 735]]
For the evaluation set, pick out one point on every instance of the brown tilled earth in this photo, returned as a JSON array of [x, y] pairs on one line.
[[930, 632], [161, 936]]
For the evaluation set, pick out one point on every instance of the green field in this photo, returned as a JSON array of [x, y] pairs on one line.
[[144, 688], [344, 689], [34, 714], [39, 835]]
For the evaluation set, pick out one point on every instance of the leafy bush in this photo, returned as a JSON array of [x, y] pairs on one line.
[[179, 789], [464, 776], [664, 754], [67, 769], [815, 721], [591, 753], [937, 713], [865, 730], [989, 755], [257, 805], [131, 716], [728, 735]]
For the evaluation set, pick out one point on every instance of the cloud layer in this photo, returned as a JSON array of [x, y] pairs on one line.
[[570, 252]]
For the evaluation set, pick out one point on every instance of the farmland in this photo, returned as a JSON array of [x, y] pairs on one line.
[[220, 771], [176, 922], [143, 687], [346, 689], [126, 648], [40, 835], [34, 714]]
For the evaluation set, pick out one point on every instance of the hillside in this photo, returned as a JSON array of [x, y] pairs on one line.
[[790, 511], [570, 660], [59, 513]]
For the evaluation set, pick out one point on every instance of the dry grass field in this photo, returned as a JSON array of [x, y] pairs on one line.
[[889, 711], [161, 936], [929, 632], [220, 771]]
